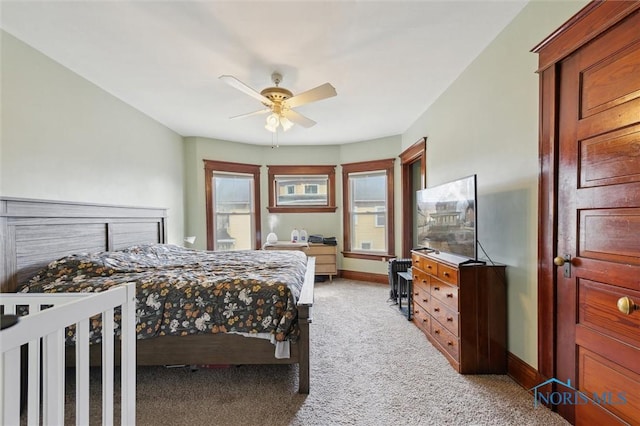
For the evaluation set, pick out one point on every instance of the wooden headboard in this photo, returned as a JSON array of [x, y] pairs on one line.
[[35, 232]]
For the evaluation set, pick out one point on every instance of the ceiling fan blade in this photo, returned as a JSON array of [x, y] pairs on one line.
[[298, 118], [235, 83], [316, 94], [260, 111]]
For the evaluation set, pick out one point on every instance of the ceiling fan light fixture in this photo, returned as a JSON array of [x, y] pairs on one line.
[[285, 123], [272, 123]]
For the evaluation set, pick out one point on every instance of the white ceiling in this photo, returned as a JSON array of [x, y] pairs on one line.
[[388, 60]]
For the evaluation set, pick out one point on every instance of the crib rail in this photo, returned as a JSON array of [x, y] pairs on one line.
[[43, 331]]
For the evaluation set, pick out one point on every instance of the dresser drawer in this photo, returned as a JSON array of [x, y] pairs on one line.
[[323, 259], [446, 293], [421, 318], [326, 269], [445, 316], [420, 278], [416, 261], [316, 250], [429, 266], [421, 294], [448, 274], [446, 339]]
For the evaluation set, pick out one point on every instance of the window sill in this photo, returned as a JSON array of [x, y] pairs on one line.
[[368, 255], [308, 209]]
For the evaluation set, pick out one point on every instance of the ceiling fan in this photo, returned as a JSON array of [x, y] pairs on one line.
[[280, 101]]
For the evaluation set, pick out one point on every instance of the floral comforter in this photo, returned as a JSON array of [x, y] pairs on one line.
[[182, 291]]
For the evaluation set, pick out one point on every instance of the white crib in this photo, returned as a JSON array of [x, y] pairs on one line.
[[43, 330]]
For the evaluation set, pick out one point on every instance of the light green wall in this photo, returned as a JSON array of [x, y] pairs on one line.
[[63, 138], [486, 123], [328, 224]]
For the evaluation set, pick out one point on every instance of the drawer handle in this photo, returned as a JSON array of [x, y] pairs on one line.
[[428, 266], [424, 281], [449, 294], [425, 300], [445, 273], [437, 331], [450, 319], [416, 261], [450, 343], [436, 309], [436, 288], [627, 306], [416, 293], [424, 320]]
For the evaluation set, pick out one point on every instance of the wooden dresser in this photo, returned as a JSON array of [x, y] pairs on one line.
[[326, 255], [462, 309]]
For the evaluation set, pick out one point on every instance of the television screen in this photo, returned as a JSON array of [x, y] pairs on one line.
[[446, 217]]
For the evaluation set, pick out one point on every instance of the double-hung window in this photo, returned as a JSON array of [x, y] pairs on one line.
[[233, 206], [368, 209]]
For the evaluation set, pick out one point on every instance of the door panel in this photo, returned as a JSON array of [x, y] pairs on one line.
[[601, 92], [597, 373], [598, 311], [599, 225], [610, 234], [610, 159]]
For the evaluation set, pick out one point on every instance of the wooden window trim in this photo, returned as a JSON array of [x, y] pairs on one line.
[[329, 171], [414, 154], [368, 166], [211, 166]]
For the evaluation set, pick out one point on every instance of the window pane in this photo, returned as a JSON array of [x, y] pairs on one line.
[[368, 207], [297, 190], [233, 212]]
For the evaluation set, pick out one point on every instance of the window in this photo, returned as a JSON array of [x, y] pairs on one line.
[[313, 189], [381, 219], [368, 209], [232, 205], [301, 189]]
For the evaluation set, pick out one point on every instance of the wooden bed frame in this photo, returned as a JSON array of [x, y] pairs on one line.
[[35, 232]]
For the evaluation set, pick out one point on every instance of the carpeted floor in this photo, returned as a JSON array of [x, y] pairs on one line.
[[369, 366]]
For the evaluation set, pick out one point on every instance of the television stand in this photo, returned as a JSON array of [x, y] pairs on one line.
[[460, 305]]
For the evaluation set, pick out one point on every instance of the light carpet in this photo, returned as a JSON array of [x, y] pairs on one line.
[[369, 366]]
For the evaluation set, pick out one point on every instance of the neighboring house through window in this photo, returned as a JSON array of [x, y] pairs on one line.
[[368, 209], [301, 189]]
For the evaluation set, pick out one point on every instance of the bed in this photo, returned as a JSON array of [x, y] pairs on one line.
[[33, 233]]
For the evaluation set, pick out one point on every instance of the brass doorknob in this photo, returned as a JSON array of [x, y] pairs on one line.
[[627, 306], [559, 260]]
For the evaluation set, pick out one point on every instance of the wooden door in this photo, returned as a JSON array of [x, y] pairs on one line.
[[598, 227]]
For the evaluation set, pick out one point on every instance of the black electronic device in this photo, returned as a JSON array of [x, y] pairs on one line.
[[316, 238], [330, 241]]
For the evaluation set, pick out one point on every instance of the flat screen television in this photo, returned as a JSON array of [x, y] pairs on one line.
[[446, 217]]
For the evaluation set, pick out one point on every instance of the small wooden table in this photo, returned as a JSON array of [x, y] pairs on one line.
[[326, 255]]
